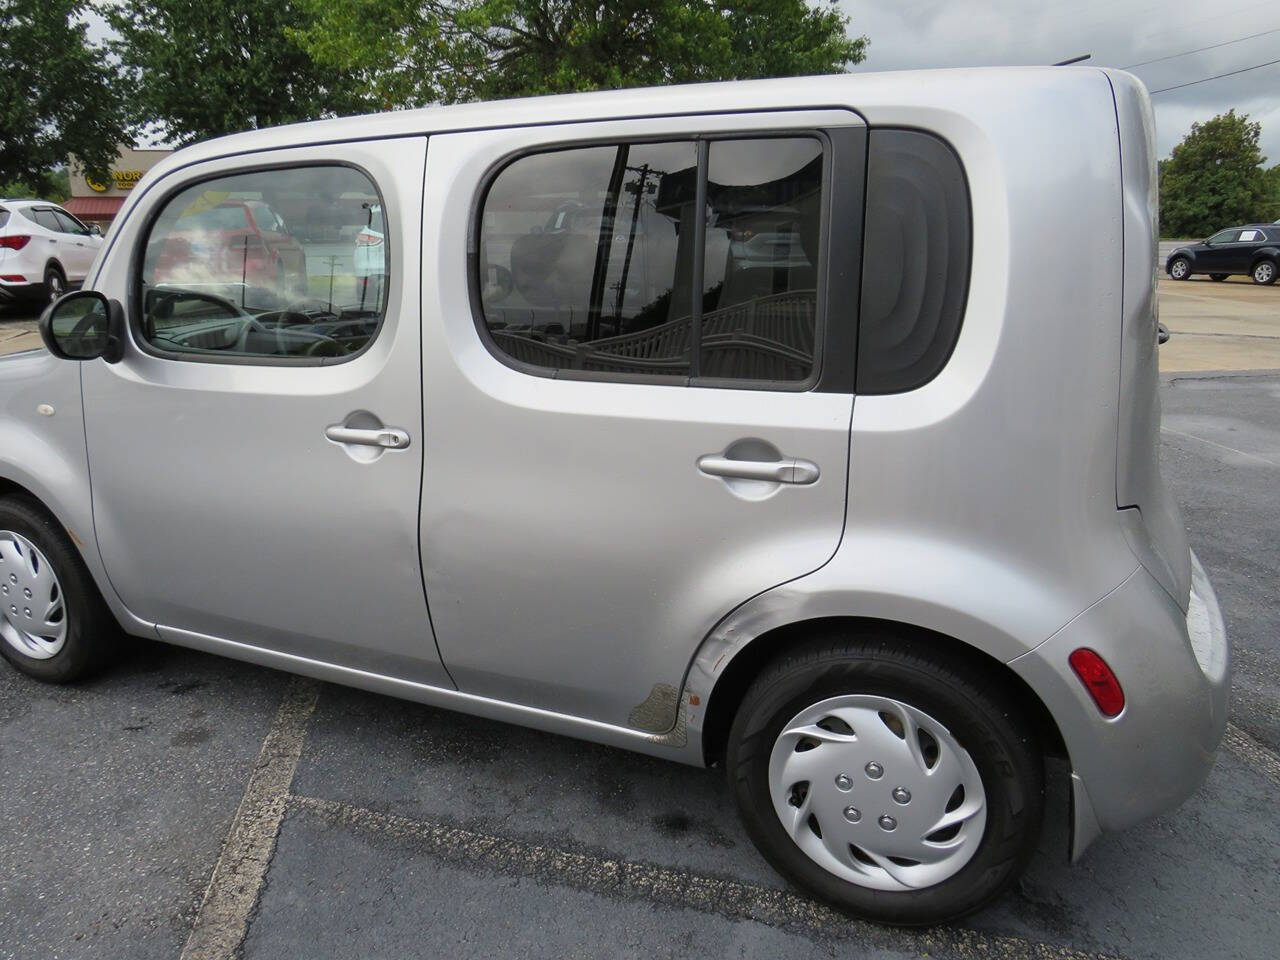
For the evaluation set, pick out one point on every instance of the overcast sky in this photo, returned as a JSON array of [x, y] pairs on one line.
[[1119, 33]]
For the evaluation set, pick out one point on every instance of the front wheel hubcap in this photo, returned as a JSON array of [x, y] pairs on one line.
[[1179, 269], [33, 612], [918, 811], [1264, 272]]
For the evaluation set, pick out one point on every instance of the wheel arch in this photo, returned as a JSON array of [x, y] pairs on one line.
[[751, 658]]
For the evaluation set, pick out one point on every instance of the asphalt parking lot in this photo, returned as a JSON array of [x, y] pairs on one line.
[[410, 832]]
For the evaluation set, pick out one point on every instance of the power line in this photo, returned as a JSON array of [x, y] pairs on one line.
[[1212, 46], [1230, 73]]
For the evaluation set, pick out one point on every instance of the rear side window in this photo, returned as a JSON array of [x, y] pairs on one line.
[[689, 260], [47, 220], [1249, 236], [262, 265], [916, 255], [4, 216]]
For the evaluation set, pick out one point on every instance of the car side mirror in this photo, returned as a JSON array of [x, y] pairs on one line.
[[95, 230], [84, 325]]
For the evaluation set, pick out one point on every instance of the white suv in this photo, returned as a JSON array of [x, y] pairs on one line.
[[43, 249]]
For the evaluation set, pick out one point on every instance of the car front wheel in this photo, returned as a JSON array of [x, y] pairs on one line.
[[53, 624], [1180, 269], [1264, 272], [887, 777]]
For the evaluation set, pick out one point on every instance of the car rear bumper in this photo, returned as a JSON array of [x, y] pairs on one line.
[[20, 292], [1175, 672]]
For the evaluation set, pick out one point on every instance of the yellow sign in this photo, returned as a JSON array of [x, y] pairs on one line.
[[124, 180]]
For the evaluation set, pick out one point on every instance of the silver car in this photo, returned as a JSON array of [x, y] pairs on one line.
[[873, 519]]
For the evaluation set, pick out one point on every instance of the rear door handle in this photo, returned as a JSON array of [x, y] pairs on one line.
[[393, 438], [774, 471]]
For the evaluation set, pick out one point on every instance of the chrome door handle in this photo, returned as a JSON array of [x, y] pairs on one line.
[[775, 471], [393, 438]]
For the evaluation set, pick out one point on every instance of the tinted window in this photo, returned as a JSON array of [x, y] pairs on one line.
[[70, 224], [265, 264], [760, 280], [4, 217], [46, 219], [1226, 236], [580, 258], [587, 259], [915, 266]]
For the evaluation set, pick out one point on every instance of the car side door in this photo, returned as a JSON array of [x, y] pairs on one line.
[[1218, 254], [255, 458], [1246, 245], [77, 244], [631, 428], [53, 243]]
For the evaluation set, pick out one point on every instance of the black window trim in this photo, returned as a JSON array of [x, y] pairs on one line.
[[133, 310], [829, 374]]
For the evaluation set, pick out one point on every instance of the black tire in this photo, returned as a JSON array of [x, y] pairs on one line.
[[92, 632], [977, 712], [1263, 272], [1186, 268], [55, 282], [1218, 277]]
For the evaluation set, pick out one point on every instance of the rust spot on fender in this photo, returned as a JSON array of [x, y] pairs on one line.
[[72, 534], [657, 711]]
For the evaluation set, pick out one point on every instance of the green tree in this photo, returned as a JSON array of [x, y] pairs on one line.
[[1271, 181], [1214, 178], [414, 52], [56, 94], [203, 68]]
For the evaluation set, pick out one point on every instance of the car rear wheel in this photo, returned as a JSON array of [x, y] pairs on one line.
[[1180, 269], [887, 777], [1264, 272], [55, 282], [53, 624], [1219, 277]]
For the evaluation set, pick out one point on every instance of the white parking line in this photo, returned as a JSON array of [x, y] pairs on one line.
[[237, 878], [1220, 446], [676, 888]]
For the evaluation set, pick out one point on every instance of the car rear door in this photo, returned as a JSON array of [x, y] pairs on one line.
[[78, 249], [256, 460], [1247, 243], [630, 429]]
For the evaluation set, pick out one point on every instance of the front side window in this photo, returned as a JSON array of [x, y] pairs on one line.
[[1226, 236], [265, 264], [588, 259], [69, 224]]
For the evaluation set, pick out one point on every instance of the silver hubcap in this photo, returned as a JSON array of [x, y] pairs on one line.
[[55, 286], [33, 614], [1263, 272], [1179, 269], [877, 792]]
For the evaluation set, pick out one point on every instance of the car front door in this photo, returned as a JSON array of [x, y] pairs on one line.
[[631, 429], [1219, 253], [256, 459]]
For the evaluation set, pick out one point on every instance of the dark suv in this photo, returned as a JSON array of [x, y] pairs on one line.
[[1253, 249]]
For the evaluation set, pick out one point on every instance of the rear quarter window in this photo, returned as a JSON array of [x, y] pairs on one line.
[[4, 216], [916, 257]]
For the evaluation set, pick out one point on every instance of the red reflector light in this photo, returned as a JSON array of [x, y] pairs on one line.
[[1098, 680], [367, 240], [15, 241], [13, 278]]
